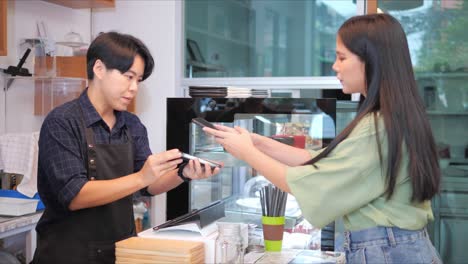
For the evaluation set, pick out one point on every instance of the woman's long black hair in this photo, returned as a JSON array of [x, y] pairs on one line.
[[380, 42]]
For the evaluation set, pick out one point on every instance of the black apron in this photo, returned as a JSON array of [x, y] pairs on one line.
[[89, 235]]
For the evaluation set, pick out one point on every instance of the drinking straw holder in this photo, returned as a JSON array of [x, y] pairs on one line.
[[273, 202], [273, 227]]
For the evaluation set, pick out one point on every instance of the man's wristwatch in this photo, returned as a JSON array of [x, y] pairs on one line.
[[180, 172]]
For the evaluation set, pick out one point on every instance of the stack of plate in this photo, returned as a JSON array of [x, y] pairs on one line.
[[238, 92], [152, 250], [226, 92], [259, 93], [207, 91]]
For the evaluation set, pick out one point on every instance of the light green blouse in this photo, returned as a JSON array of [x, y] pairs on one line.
[[350, 182]]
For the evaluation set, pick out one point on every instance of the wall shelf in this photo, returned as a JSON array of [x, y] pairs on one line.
[[79, 4]]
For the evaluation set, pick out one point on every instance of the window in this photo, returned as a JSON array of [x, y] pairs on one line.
[[438, 43], [256, 38]]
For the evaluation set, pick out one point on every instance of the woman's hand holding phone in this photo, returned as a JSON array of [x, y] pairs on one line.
[[200, 168], [256, 138], [236, 141]]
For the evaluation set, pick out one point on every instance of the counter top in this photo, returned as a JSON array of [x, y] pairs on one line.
[[294, 256], [10, 225]]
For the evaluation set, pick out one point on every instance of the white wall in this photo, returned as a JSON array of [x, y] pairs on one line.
[[159, 25], [21, 24]]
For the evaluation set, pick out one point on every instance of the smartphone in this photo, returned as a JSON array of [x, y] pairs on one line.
[[187, 157], [203, 123]]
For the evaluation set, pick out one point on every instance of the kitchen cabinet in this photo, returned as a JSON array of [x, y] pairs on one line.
[[78, 4], [3, 27], [60, 66], [52, 92]]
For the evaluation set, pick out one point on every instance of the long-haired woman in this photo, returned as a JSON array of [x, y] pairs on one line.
[[381, 171]]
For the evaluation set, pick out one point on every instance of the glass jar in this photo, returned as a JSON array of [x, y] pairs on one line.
[[229, 248]]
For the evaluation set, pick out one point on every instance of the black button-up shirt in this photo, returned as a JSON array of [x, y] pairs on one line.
[[62, 151]]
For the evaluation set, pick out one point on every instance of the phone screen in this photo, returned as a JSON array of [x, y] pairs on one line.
[[213, 165]]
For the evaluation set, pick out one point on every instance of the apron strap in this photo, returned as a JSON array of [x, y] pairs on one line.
[[128, 137], [90, 154]]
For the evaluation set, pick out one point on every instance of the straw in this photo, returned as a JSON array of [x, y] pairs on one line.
[[273, 201]]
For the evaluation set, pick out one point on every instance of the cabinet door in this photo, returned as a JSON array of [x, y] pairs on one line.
[[450, 227], [3, 27], [453, 232]]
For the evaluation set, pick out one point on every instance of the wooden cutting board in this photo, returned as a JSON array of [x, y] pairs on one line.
[[148, 250]]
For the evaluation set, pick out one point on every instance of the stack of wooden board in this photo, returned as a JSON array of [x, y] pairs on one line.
[[148, 250]]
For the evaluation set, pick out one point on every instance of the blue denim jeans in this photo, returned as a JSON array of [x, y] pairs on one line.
[[389, 245]]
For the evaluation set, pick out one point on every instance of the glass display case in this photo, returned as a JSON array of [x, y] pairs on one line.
[[304, 123]]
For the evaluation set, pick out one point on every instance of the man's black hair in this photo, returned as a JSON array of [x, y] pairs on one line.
[[118, 51]]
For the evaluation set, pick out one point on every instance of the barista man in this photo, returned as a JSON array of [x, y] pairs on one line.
[[93, 155]]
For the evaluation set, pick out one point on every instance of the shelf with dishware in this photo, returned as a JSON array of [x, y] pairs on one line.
[[447, 113], [220, 37], [442, 75], [454, 167]]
